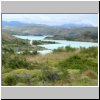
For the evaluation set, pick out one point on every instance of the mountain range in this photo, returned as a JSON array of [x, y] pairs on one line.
[[69, 31], [67, 25]]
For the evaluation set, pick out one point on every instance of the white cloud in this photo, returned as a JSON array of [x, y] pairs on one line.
[[52, 19]]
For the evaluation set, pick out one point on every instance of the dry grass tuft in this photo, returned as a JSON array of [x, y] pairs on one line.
[[90, 74]]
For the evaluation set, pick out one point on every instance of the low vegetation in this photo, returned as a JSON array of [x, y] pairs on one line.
[[16, 45], [39, 42], [64, 67], [66, 49]]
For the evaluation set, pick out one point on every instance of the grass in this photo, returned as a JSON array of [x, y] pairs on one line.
[[71, 67], [66, 49], [66, 66], [14, 45]]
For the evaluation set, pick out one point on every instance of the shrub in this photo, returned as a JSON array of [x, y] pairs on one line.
[[35, 42], [73, 73], [89, 52], [77, 62], [26, 52], [36, 75], [90, 74], [68, 48], [8, 79], [5, 70], [50, 74], [60, 49], [34, 52], [5, 59], [7, 50], [84, 80], [21, 76], [18, 62]]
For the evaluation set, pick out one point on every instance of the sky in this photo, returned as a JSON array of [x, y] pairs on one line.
[[53, 19]]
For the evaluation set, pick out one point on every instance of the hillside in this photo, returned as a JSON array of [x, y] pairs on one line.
[[12, 44], [59, 32], [8, 38], [86, 36], [62, 67], [68, 67]]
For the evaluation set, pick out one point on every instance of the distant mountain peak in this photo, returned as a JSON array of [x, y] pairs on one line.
[[71, 25], [68, 25], [15, 23]]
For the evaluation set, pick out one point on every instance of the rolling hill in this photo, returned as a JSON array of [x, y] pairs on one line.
[[80, 32]]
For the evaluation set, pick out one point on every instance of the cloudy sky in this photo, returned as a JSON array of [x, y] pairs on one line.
[[53, 19]]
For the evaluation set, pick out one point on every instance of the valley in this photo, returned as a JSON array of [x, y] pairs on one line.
[[61, 67], [49, 50]]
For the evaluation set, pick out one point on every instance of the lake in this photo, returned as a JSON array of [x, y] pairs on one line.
[[59, 43]]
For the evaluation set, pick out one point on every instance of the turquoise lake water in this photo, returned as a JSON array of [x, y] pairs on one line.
[[59, 43]]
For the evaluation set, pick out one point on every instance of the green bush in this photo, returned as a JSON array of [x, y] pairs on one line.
[[89, 52], [60, 49], [18, 62], [50, 74], [7, 50], [77, 62], [15, 61], [8, 79], [5, 70], [63, 49], [68, 48], [84, 80], [26, 52], [34, 52], [35, 42], [73, 73], [91, 74], [17, 76]]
